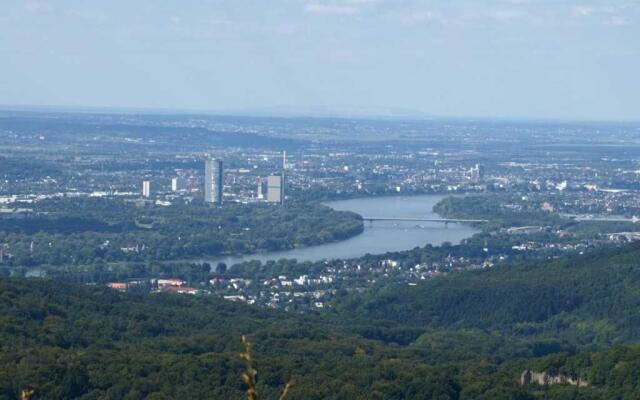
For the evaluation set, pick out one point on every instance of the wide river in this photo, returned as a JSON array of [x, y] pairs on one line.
[[378, 237]]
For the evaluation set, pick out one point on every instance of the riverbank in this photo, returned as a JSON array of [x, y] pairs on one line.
[[377, 237]]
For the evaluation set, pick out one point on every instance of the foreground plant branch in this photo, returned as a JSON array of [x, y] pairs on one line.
[[249, 374]]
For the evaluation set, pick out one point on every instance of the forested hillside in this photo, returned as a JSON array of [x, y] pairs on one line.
[[466, 336], [586, 301], [93, 343]]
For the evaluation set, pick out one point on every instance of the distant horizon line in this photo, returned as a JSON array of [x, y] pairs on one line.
[[293, 112]]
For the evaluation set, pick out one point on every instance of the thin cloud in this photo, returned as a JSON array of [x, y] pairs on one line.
[[335, 9], [219, 21], [37, 7], [506, 15]]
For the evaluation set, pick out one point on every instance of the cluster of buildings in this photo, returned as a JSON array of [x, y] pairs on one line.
[[476, 173], [315, 290], [270, 189], [172, 285]]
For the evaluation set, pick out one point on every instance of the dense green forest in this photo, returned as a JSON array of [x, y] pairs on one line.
[[489, 207], [585, 301], [89, 230], [465, 336], [92, 343]]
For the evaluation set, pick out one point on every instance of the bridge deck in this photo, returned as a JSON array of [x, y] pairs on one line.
[[452, 220]]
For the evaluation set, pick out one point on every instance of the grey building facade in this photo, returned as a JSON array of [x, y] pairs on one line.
[[213, 181], [275, 189]]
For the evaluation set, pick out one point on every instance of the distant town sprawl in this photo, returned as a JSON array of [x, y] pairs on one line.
[[118, 197]]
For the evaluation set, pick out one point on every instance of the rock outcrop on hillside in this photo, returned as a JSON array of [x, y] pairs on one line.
[[542, 378]]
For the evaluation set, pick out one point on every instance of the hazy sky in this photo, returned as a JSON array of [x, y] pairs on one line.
[[509, 58]]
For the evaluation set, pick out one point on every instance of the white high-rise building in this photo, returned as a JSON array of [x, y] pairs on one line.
[[146, 188], [178, 184], [261, 191]]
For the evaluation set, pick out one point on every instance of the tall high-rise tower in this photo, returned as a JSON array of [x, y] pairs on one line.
[[213, 182], [146, 188], [283, 181]]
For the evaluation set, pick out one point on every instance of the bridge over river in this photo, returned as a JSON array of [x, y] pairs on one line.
[[441, 220]]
